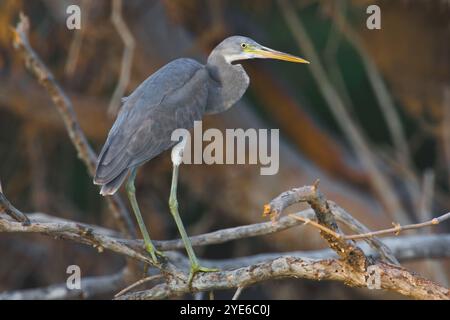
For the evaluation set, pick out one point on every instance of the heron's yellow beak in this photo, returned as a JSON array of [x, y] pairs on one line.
[[264, 52]]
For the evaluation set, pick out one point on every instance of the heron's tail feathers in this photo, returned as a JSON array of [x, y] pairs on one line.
[[111, 187]]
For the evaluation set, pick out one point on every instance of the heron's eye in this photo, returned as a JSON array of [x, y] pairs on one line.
[[243, 45]]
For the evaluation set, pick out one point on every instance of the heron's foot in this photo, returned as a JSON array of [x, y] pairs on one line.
[[195, 268], [156, 255]]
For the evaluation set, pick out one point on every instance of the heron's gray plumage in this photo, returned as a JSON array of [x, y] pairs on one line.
[[173, 97], [149, 116]]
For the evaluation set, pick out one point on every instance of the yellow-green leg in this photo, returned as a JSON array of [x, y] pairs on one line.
[[173, 205], [131, 191]]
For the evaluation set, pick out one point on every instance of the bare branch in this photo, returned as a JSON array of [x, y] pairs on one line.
[[347, 250], [9, 209], [321, 206], [356, 226], [137, 283], [76, 232], [392, 278], [398, 228], [413, 247], [237, 293], [241, 232], [66, 110], [405, 248], [127, 57], [46, 224]]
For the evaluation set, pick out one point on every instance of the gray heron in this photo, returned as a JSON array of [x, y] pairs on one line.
[[175, 96]]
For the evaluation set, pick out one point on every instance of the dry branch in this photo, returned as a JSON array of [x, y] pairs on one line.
[[356, 226], [127, 57], [347, 250], [330, 209], [136, 284], [67, 112], [411, 247], [9, 209], [405, 248], [393, 278]]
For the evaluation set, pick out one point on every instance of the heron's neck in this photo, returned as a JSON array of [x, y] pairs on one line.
[[228, 83]]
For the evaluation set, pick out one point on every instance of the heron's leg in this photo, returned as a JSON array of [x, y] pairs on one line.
[[131, 191], [177, 152]]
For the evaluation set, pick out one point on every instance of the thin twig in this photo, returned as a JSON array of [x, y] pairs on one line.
[[425, 203], [392, 278], [357, 227], [13, 212], [396, 229], [237, 293], [137, 283], [318, 226]]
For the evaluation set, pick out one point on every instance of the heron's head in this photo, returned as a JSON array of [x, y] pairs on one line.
[[242, 48]]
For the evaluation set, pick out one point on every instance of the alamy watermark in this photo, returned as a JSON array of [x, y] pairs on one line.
[[374, 20], [73, 21], [73, 282], [239, 146], [373, 277]]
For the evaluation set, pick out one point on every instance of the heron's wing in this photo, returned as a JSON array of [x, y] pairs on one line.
[[174, 97]]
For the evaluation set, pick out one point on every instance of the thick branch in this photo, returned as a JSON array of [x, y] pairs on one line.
[[392, 278], [347, 250], [77, 232], [405, 248]]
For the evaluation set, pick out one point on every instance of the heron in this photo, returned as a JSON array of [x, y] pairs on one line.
[[175, 96]]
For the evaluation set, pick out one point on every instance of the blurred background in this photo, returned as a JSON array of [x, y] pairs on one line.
[[369, 117]]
